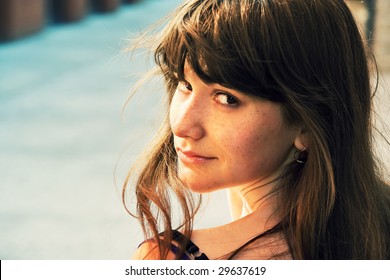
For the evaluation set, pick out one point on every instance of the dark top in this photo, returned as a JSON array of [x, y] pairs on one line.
[[191, 251]]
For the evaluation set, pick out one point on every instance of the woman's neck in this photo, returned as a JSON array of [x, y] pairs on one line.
[[244, 200], [222, 240]]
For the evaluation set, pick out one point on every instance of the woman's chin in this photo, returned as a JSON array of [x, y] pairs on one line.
[[198, 187]]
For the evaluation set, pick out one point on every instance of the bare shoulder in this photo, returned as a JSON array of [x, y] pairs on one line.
[[149, 250]]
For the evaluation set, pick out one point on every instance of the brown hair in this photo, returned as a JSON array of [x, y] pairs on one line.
[[309, 56]]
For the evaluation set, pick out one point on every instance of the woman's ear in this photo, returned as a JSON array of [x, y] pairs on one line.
[[301, 141]]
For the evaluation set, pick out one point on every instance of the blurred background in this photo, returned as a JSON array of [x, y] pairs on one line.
[[67, 139]]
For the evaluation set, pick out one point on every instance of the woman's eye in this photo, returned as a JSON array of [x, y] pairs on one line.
[[184, 86], [226, 99]]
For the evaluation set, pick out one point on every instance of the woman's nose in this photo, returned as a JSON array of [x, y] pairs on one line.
[[186, 116]]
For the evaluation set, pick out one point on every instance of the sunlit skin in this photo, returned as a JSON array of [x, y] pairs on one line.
[[225, 138]]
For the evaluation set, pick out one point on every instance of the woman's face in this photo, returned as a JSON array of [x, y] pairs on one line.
[[225, 138]]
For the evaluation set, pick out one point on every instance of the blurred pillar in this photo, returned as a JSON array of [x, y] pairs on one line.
[[360, 11], [382, 34], [68, 10], [370, 23], [105, 5], [20, 17]]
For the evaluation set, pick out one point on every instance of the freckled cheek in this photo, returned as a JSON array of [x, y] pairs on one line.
[[239, 145], [260, 143]]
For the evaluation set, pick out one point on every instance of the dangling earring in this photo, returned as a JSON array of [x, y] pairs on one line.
[[301, 155]]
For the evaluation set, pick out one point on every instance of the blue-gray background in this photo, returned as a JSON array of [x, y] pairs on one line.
[[65, 145]]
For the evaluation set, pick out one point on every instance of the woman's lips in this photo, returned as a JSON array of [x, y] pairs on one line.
[[191, 157]]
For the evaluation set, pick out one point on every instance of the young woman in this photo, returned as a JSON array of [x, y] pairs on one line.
[[270, 100]]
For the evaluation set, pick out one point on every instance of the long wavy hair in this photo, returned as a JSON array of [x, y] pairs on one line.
[[308, 56]]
